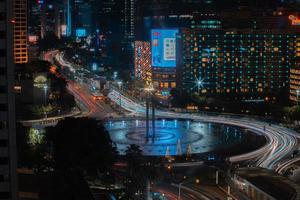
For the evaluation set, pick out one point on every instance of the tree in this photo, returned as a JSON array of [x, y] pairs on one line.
[[133, 156], [29, 154], [40, 110], [293, 113], [137, 177], [81, 144]]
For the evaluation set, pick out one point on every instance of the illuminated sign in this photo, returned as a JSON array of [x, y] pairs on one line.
[[164, 47], [295, 20], [40, 81], [80, 32], [33, 39]]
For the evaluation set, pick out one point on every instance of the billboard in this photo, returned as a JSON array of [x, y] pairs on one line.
[[163, 47], [80, 32]]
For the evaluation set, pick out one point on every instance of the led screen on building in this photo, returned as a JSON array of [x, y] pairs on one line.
[[163, 47]]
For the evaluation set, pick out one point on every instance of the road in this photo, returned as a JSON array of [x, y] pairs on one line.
[[91, 107], [171, 192]]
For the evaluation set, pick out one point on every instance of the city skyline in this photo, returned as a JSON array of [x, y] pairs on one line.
[[149, 99]]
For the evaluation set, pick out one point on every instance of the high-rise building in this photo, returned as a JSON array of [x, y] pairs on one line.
[[164, 59], [295, 74], [20, 31], [33, 28], [127, 25], [52, 19], [254, 63], [142, 61], [67, 18], [34, 18], [8, 177], [107, 14], [82, 17], [128, 21]]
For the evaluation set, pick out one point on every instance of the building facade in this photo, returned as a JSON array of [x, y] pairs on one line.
[[128, 21], [164, 79], [82, 17], [52, 19], [142, 61], [8, 178], [20, 31], [249, 62], [295, 74]]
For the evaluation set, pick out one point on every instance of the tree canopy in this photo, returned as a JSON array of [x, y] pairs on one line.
[[81, 144]]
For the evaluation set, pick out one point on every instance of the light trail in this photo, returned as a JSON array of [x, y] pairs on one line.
[[281, 142]]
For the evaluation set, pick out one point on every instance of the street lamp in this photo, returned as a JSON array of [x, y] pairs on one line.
[[120, 86], [45, 94]]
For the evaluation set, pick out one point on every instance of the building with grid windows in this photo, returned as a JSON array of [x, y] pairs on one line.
[[20, 31], [255, 62], [8, 182], [295, 74]]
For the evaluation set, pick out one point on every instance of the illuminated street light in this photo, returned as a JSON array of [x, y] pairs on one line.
[[45, 94], [120, 83], [115, 75]]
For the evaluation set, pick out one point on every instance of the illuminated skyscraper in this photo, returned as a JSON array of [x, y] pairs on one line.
[[52, 19], [254, 63], [82, 17], [68, 17], [8, 178], [295, 74], [20, 31], [142, 61], [128, 20]]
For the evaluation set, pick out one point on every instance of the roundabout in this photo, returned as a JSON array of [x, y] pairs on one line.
[[177, 137], [275, 154]]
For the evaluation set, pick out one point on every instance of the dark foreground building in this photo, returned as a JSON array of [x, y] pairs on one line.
[[8, 180]]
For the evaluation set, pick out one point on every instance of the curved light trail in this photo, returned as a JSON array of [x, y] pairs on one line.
[[281, 142]]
